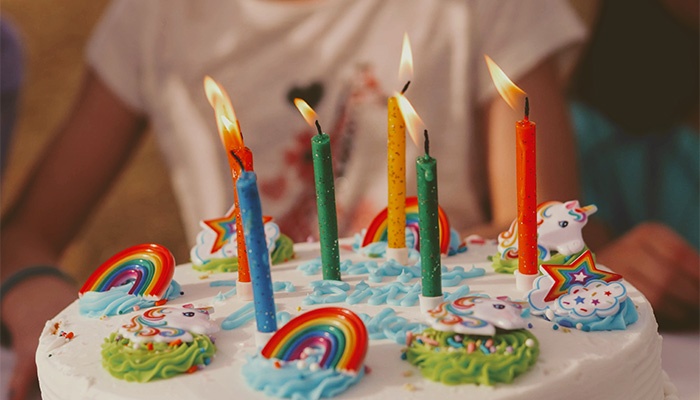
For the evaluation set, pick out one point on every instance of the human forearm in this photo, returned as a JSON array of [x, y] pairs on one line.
[[70, 177]]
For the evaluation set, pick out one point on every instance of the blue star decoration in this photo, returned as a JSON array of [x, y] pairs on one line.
[[579, 272]]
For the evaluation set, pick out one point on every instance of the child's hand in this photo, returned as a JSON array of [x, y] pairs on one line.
[[664, 267]]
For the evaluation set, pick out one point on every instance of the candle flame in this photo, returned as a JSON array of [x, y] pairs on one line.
[[508, 90], [226, 121], [414, 124], [406, 66], [306, 111]]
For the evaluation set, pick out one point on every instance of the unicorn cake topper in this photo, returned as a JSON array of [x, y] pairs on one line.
[[477, 315], [167, 324], [559, 232]]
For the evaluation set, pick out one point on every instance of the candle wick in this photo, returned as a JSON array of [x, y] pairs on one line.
[[318, 128], [527, 107], [240, 162], [427, 143], [405, 87]]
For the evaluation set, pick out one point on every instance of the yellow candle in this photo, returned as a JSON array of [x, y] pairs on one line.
[[396, 163], [396, 149]]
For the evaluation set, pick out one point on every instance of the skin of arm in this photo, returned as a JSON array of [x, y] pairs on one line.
[[71, 176]]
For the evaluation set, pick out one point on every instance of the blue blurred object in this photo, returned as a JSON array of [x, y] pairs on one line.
[[11, 71], [634, 178]]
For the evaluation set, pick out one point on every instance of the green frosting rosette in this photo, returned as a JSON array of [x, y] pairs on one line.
[[155, 360], [159, 343], [454, 359]]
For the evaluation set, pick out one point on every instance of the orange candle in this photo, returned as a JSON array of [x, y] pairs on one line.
[[246, 156], [527, 193], [239, 157]]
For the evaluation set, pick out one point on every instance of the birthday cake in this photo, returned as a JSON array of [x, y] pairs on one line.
[[81, 356]]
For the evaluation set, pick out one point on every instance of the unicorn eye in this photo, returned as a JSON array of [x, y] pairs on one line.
[[188, 314], [563, 224], [499, 306]]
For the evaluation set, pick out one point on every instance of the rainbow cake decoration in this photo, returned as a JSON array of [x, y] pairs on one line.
[[374, 238], [159, 343], [474, 340], [559, 235], [319, 353], [136, 277], [215, 247]]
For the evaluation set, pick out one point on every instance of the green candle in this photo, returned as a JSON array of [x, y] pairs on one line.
[[325, 202], [426, 168]]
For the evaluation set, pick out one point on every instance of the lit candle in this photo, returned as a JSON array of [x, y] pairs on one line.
[[325, 194], [258, 256], [527, 193], [230, 133], [396, 164], [426, 167], [526, 175], [428, 221]]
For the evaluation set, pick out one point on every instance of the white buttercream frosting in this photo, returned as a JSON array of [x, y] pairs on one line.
[[572, 363]]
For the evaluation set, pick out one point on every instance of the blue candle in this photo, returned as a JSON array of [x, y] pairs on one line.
[[258, 257]]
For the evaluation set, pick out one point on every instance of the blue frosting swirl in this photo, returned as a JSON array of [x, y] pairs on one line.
[[117, 301], [289, 380]]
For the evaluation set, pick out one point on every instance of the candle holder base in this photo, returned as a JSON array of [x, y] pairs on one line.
[[261, 338], [398, 255], [428, 303], [244, 290], [523, 282]]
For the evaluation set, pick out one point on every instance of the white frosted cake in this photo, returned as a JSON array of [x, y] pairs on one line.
[[572, 363]]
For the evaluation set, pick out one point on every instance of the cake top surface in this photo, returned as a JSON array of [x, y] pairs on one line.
[[570, 360]]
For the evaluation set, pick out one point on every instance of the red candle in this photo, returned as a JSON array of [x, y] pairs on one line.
[[527, 193], [526, 173]]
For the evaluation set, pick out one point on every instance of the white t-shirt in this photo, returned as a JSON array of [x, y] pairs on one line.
[[343, 57]]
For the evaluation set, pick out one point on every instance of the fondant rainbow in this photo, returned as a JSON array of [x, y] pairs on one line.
[[339, 331], [377, 230], [150, 266]]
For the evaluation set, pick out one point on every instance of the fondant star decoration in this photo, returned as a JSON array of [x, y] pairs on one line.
[[225, 228], [579, 272]]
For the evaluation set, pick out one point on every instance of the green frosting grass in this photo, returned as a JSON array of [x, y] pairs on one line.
[[141, 364], [453, 365], [284, 251]]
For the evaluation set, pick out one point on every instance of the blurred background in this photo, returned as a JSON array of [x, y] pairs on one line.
[[140, 207]]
